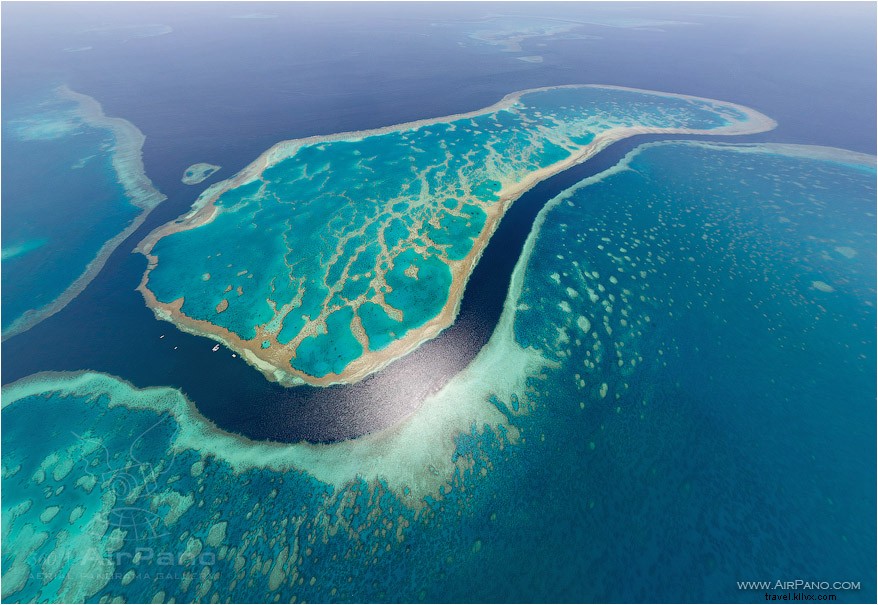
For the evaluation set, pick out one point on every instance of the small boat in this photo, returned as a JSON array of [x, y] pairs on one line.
[[215, 348]]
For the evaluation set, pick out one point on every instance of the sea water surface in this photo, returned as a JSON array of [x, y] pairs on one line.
[[655, 428], [734, 442], [321, 83]]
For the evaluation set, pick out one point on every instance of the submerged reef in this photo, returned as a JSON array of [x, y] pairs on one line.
[[329, 257], [509, 33], [97, 177], [625, 379], [198, 173]]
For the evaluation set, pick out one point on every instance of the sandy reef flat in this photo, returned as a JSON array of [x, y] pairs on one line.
[[329, 257]]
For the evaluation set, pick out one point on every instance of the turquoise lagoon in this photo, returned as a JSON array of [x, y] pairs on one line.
[[328, 257], [685, 366], [73, 188]]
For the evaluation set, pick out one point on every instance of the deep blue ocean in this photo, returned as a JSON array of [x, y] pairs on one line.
[[745, 465]]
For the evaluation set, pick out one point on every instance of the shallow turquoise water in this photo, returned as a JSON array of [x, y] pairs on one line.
[[377, 222], [63, 199], [703, 414], [714, 423]]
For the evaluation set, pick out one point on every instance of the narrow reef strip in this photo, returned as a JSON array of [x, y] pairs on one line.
[[127, 162]]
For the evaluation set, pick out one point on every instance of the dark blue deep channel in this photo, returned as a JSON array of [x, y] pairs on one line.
[[237, 397]]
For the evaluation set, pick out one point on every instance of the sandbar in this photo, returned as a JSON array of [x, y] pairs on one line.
[[197, 173]]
